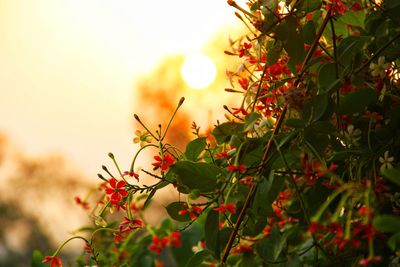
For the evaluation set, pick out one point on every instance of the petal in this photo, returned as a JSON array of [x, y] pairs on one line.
[[169, 159], [113, 182], [116, 197], [156, 164], [121, 184], [47, 259], [158, 158], [109, 190], [164, 166], [123, 192]]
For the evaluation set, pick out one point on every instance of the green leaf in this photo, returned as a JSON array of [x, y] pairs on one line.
[[389, 4], [332, 87], [309, 32], [153, 192], [392, 174], [201, 176], [324, 127], [326, 76], [173, 210], [354, 18], [349, 47], [392, 9], [318, 141], [250, 120], [212, 234], [223, 132], [270, 248], [295, 123], [315, 108], [195, 147], [273, 55], [394, 241], [252, 151], [310, 5], [294, 44], [189, 238], [197, 259], [269, 22], [266, 193], [357, 101], [37, 258], [387, 223]]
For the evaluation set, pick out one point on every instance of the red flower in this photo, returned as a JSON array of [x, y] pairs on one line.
[[164, 163], [116, 190], [128, 225], [239, 110], [132, 174], [246, 181], [223, 208], [314, 227], [336, 6], [175, 239], [55, 261], [193, 211], [242, 248], [356, 7], [368, 261], [158, 244], [222, 155], [267, 231], [240, 168], [118, 238], [82, 203], [243, 83], [244, 48]]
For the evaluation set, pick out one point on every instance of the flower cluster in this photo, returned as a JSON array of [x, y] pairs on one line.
[[172, 240]]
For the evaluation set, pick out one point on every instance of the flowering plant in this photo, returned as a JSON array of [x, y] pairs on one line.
[[304, 172]]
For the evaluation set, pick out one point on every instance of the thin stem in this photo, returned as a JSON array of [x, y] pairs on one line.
[[63, 244], [296, 187], [144, 126], [312, 49], [172, 117], [137, 153], [377, 53], [259, 86]]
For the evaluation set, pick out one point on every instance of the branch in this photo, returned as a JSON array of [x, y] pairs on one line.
[[268, 147]]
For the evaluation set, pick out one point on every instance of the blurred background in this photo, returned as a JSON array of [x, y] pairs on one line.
[[72, 74]]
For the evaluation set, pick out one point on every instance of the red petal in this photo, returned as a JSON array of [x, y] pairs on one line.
[[158, 158], [123, 192], [164, 166], [113, 182], [156, 164], [109, 190], [169, 159], [116, 197], [47, 259], [121, 184]]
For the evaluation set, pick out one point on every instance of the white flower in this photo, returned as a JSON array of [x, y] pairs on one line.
[[379, 69], [352, 135], [386, 161]]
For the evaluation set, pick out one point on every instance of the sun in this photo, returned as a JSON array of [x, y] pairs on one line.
[[198, 71]]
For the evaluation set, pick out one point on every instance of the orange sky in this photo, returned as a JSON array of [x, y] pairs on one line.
[[68, 68]]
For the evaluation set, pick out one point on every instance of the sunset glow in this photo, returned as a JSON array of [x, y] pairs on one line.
[[198, 71]]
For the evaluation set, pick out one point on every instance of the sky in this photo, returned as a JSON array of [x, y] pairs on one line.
[[68, 69]]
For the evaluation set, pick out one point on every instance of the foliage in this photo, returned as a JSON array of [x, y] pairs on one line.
[[305, 172]]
